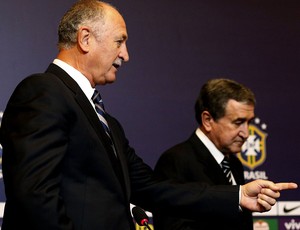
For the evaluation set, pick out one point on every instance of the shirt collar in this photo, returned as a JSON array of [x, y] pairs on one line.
[[219, 156], [77, 76]]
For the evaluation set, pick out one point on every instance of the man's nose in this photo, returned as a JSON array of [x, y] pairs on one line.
[[124, 53], [245, 131]]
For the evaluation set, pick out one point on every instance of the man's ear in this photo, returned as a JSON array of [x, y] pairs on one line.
[[84, 39], [206, 120]]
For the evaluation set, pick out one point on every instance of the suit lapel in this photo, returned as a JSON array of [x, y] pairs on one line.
[[237, 170], [120, 154], [212, 168], [84, 104], [81, 100]]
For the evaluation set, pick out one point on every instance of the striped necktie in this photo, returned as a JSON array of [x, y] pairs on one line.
[[99, 106], [226, 169]]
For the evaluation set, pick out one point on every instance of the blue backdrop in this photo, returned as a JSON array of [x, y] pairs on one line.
[[174, 48]]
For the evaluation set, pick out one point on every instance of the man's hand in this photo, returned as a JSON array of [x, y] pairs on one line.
[[261, 195]]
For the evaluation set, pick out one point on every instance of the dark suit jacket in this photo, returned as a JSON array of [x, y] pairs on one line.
[[191, 161], [61, 173]]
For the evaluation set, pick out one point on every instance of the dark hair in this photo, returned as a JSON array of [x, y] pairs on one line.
[[215, 94]]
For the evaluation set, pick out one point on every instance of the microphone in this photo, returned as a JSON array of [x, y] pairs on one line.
[[140, 216]]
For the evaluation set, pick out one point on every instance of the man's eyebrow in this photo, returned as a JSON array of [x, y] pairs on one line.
[[122, 37], [241, 119]]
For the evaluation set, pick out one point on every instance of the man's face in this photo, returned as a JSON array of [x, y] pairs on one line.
[[108, 52], [231, 131]]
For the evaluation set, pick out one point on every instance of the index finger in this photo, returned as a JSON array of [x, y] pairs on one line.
[[286, 186]]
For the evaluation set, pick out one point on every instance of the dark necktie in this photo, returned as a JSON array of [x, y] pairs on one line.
[[99, 106], [226, 168]]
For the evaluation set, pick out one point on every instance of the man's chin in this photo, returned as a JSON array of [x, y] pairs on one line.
[[110, 79], [236, 149]]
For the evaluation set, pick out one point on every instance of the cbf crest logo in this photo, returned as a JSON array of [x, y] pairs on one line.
[[253, 153]]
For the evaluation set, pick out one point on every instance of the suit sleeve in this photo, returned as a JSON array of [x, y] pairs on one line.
[[190, 200]]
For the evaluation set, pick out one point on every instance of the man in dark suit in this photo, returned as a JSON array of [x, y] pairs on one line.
[[223, 110], [68, 165]]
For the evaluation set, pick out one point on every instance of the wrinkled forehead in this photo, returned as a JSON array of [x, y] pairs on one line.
[[239, 109], [114, 21]]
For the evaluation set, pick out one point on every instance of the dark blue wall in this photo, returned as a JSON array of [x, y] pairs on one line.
[[174, 47]]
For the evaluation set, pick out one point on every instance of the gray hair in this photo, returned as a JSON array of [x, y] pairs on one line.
[[83, 12]]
